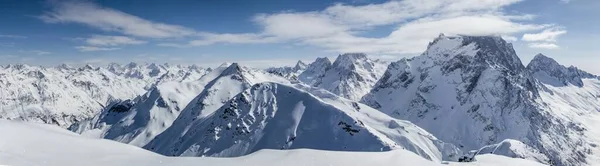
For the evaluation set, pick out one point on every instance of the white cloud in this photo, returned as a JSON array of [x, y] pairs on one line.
[[36, 52], [548, 35], [337, 28], [342, 27], [299, 25], [413, 36], [93, 48], [100, 40], [107, 19], [13, 36], [211, 38], [208, 39], [544, 45], [510, 38]]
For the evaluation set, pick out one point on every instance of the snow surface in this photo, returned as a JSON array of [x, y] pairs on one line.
[[514, 149], [155, 111], [278, 116], [63, 95], [39, 144], [473, 91]]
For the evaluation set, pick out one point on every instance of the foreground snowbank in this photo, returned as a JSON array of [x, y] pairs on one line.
[[38, 144]]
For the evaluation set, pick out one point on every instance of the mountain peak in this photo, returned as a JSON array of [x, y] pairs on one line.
[[132, 65], [64, 66], [88, 66], [322, 60], [550, 72], [224, 65], [487, 50], [351, 56], [234, 68], [541, 59], [348, 60], [19, 66], [300, 65]]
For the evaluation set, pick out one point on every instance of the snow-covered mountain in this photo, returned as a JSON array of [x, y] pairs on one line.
[[463, 93], [41, 144], [351, 75], [140, 120], [63, 95], [221, 85], [474, 91], [315, 70], [572, 96], [548, 71], [289, 72], [278, 116]]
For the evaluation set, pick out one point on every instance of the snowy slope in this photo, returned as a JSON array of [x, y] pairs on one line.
[[150, 114], [63, 95], [315, 70], [351, 75], [147, 116], [221, 86], [514, 149], [571, 95], [474, 91], [278, 116], [25, 144]]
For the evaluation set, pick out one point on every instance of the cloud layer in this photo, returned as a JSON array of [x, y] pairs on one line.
[[408, 24], [110, 20], [346, 28]]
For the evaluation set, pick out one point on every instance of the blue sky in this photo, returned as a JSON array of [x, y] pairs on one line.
[[280, 32]]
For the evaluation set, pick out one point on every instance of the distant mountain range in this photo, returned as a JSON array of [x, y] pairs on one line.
[[464, 95]]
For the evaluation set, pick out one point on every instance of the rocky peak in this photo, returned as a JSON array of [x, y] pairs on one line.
[[315, 70], [300, 66], [64, 67], [234, 68], [550, 72], [87, 67], [486, 51], [324, 61], [132, 65], [19, 66], [348, 60]]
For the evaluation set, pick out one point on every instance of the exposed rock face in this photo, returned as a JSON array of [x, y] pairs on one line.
[[351, 75], [548, 71], [474, 91]]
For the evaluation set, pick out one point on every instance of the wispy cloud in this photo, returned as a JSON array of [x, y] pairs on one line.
[[211, 38], [545, 39], [94, 48], [548, 35], [36, 52], [544, 45], [106, 19], [341, 27], [13, 36], [100, 40], [337, 28]]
